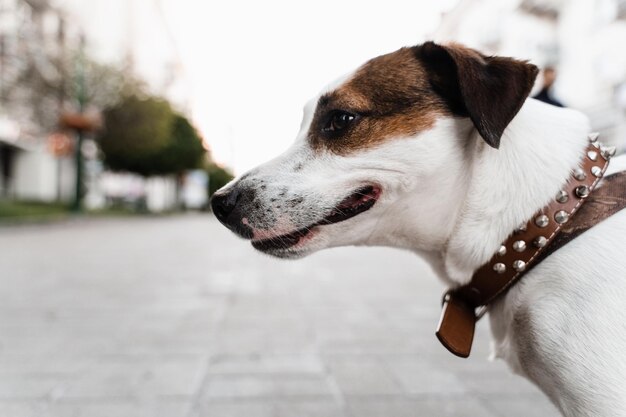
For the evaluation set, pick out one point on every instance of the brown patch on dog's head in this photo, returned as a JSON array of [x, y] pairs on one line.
[[403, 93], [389, 96]]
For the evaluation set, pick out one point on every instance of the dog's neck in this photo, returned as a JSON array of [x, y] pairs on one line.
[[507, 186]]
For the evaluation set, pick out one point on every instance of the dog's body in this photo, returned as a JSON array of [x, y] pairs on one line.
[[394, 155]]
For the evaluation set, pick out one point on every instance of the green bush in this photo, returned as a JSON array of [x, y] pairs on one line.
[[145, 136], [31, 209], [184, 151], [218, 177]]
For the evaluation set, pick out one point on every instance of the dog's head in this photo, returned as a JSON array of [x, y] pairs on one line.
[[380, 154]]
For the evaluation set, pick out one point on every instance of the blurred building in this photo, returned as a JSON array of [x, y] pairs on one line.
[[39, 41], [124, 33], [583, 39], [34, 37], [134, 34]]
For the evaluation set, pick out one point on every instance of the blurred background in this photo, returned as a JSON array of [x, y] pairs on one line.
[[120, 295]]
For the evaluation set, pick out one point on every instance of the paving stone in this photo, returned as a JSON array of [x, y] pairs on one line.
[[263, 387], [418, 377], [149, 408], [362, 376], [23, 409], [128, 378], [309, 409], [266, 364], [491, 382], [60, 364], [522, 405], [34, 387], [234, 410], [174, 316], [435, 407]]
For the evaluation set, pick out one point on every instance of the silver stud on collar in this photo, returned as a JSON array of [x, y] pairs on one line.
[[519, 266], [608, 152], [500, 268], [542, 220], [579, 174], [582, 191], [502, 250], [561, 216], [522, 228], [596, 171], [540, 242], [519, 246], [562, 196], [593, 137], [593, 155]]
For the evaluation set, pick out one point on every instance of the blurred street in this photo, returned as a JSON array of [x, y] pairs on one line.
[[175, 317]]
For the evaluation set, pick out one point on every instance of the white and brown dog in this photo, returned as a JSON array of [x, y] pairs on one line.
[[438, 150]]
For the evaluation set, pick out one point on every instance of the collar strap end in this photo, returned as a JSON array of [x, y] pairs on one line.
[[456, 326]]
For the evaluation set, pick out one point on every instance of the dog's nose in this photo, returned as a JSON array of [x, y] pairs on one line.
[[223, 204], [230, 207]]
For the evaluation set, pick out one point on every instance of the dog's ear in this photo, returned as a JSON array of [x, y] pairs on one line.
[[488, 90]]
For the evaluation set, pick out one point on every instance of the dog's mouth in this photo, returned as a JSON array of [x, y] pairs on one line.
[[356, 203]]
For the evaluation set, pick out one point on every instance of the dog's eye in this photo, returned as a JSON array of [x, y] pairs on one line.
[[338, 121]]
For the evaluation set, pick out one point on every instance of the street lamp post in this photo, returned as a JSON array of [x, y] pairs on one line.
[[79, 122], [80, 99]]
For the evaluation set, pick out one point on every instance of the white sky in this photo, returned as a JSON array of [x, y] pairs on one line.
[[250, 66]]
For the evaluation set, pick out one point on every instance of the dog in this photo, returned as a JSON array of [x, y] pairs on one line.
[[438, 149]]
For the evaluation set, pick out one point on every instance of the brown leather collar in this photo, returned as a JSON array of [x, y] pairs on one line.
[[463, 306]]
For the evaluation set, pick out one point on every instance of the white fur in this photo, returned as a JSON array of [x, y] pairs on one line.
[[451, 198]]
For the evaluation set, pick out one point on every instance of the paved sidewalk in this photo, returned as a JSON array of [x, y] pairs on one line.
[[175, 317]]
